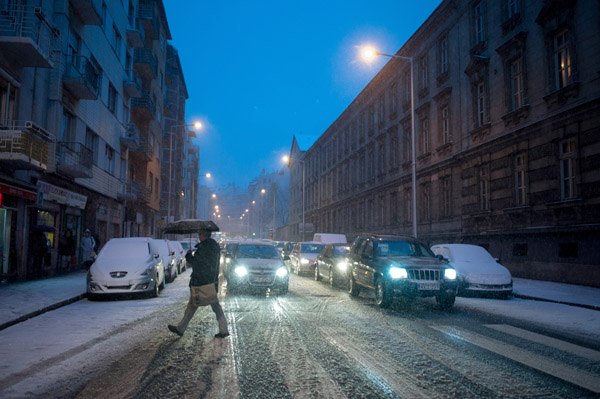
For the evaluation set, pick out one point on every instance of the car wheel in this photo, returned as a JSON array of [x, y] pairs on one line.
[[162, 285], [331, 282], [353, 288], [155, 291], [383, 296], [445, 301], [317, 274]]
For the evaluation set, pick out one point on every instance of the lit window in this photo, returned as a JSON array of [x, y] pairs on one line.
[[562, 60]]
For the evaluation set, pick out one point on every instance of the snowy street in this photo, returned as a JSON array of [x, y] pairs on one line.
[[313, 342]]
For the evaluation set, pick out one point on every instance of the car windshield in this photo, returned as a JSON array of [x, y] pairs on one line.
[[257, 251], [402, 248], [340, 251], [311, 248], [125, 250]]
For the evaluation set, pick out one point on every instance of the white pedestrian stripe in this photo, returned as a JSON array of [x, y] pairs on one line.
[[548, 341], [530, 359]]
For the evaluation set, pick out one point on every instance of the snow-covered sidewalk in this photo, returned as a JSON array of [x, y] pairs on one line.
[[21, 301]]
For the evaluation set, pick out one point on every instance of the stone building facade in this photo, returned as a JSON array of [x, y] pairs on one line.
[[506, 99]]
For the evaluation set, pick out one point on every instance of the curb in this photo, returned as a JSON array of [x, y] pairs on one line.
[[579, 305], [42, 311]]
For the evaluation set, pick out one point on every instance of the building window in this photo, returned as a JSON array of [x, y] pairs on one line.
[[445, 114], [91, 142], [516, 83], [520, 180], [424, 72], [444, 55], [478, 23], [481, 100], [156, 191], [562, 59], [407, 144], [424, 136], [112, 98], [446, 197], [393, 208], [151, 183], [131, 15], [117, 41], [484, 188], [513, 8], [407, 205], [393, 99], [110, 159], [567, 169], [394, 150], [407, 88], [8, 98], [380, 110], [67, 133], [426, 205]]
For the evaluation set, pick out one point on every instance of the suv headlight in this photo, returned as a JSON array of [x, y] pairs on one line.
[[241, 271], [281, 272], [450, 274], [304, 261], [342, 266], [398, 272]]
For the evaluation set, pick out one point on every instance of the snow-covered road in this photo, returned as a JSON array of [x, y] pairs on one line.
[[313, 342]]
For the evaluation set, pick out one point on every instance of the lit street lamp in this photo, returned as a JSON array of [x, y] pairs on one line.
[[197, 126], [370, 53]]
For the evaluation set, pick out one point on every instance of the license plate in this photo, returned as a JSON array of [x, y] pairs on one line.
[[261, 279], [429, 286]]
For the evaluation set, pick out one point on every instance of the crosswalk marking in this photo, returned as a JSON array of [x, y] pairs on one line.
[[548, 341], [541, 363]]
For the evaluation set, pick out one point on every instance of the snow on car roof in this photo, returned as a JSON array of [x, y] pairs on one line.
[[468, 252]]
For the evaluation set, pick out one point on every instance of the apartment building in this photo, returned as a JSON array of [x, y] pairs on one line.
[[82, 88], [506, 100]]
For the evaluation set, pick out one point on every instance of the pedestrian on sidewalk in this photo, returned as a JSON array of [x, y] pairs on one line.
[[38, 245], [205, 273], [87, 248], [66, 249]]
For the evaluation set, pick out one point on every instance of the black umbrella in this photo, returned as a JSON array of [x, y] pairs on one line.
[[188, 226]]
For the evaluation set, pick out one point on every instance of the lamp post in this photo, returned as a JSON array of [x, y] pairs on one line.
[[196, 125], [369, 53]]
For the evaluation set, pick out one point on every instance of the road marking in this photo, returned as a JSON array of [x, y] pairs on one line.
[[548, 341], [541, 363]]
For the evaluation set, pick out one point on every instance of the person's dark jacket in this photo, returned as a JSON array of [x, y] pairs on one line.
[[66, 245], [205, 263]]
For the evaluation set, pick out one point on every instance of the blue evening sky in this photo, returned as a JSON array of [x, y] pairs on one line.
[[258, 72]]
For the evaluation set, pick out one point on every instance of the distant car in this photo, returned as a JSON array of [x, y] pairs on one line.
[[168, 252], [256, 264], [225, 260], [304, 256], [126, 266], [181, 255], [330, 238], [394, 266], [331, 263], [477, 271]]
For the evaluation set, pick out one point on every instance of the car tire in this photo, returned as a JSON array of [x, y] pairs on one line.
[[383, 296], [162, 285], [353, 288], [317, 274], [445, 301], [156, 290], [331, 281]]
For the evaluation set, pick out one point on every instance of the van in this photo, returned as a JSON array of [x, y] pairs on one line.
[[330, 238]]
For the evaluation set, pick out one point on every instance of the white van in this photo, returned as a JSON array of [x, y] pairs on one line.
[[330, 238]]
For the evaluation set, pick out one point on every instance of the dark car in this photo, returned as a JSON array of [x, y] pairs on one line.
[[256, 264], [228, 249], [396, 266], [331, 263]]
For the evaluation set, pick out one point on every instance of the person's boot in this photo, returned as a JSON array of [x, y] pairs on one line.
[[175, 330]]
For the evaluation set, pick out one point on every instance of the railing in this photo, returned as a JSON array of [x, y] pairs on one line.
[[75, 155], [144, 147], [82, 67], [146, 103], [134, 81], [142, 55], [27, 21], [142, 193], [146, 12], [130, 135], [25, 143]]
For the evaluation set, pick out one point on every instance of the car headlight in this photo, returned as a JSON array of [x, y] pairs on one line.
[[282, 272], [398, 272], [304, 261], [241, 271], [149, 270], [342, 266], [450, 274]]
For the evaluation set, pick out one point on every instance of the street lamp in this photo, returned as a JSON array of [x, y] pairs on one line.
[[196, 126], [368, 54]]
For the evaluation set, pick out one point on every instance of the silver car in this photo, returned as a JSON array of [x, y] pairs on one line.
[[169, 256]]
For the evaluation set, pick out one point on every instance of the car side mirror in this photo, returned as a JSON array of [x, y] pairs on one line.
[[441, 257]]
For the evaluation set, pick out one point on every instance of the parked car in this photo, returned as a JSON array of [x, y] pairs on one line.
[[395, 266], [182, 262], [331, 263], [168, 253], [188, 244], [330, 238], [286, 252], [304, 256], [126, 266], [256, 264], [477, 271]]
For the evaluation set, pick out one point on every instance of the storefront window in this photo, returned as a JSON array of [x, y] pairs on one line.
[[48, 221]]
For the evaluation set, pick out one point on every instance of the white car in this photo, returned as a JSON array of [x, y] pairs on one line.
[[169, 256], [125, 266], [477, 271]]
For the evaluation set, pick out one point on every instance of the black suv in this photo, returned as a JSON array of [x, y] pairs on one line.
[[399, 266]]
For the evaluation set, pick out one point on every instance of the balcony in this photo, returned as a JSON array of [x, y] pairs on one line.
[[146, 12], [74, 160], [26, 36], [24, 145], [130, 137], [128, 191], [143, 107], [136, 35], [144, 148], [88, 11], [81, 78], [142, 193], [132, 84], [145, 62]]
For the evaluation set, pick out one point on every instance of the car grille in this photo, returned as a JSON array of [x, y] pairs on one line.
[[118, 287], [425, 274], [261, 277], [118, 274]]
